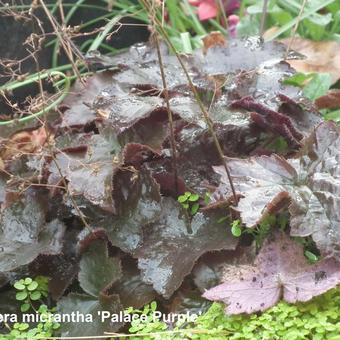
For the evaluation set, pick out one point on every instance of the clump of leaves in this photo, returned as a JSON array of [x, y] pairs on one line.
[[114, 171], [319, 22], [189, 201], [317, 319], [30, 290], [32, 295], [308, 185], [260, 231], [147, 324]]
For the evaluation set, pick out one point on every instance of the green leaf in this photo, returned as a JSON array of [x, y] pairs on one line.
[[182, 198], [15, 332], [32, 286], [23, 326], [19, 286], [207, 198], [97, 269], [318, 86], [236, 230], [28, 281], [185, 205], [34, 296], [334, 115], [194, 197], [20, 296], [153, 305], [56, 325], [25, 307], [194, 208], [307, 13], [298, 79], [42, 309], [311, 256]]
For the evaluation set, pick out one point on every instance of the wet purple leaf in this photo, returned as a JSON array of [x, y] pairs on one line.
[[172, 245], [78, 112], [280, 270], [96, 269], [24, 234], [89, 305], [311, 182]]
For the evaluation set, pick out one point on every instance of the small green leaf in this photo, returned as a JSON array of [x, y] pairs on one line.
[[34, 296], [32, 286], [42, 309], [19, 286], [318, 86], [311, 256], [153, 306], [194, 198], [20, 296], [56, 325], [15, 332], [207, 198], [236, 230], [194, 208], [28, 281], [185, 205], [236, 223], [182, 198], [25, 307], [23, 326], [298, 79], [334, 115]]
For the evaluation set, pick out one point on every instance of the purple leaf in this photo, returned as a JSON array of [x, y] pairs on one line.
[[24, 234], [310, 182], [78, 112], [280, 271], [172, 245], [90, 175]]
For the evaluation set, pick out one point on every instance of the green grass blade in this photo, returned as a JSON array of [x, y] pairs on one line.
[[290, 24]]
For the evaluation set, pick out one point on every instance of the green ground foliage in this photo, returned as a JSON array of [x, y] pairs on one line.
[[317, 319]]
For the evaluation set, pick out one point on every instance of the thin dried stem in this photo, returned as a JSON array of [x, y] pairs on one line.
[[51, 150], [205, 113], [67, 44], [170, 117], [295, 27], [222, 10], [263, 17], [122, 335]]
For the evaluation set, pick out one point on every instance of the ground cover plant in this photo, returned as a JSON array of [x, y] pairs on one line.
[[172, 174]]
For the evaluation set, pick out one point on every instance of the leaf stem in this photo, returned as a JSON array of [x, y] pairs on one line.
[[196, 95], [170, 117]]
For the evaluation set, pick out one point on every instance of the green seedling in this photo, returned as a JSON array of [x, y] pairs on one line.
[[189, 201], [236, 228]]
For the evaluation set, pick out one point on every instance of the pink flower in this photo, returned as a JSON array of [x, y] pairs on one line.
[[233, 20], [207, 9]]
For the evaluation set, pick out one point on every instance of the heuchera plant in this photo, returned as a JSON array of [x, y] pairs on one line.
[[103, 220]]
